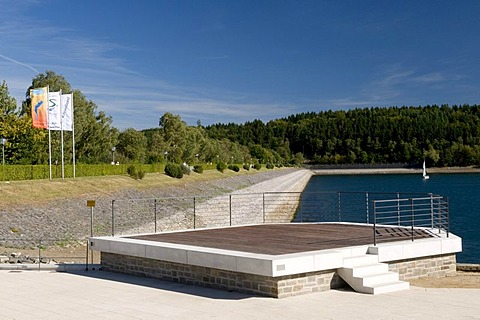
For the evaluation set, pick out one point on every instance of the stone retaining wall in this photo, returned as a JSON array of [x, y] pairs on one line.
[[435, 266], [277, 287]]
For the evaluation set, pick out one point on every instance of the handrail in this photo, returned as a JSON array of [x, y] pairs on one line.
[[374, 208], [426, 212], [200, 211]]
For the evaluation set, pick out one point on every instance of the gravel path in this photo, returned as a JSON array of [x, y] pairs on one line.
[[244, 206]]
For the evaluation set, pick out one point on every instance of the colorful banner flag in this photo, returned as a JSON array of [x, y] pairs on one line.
[[67, 111], [39, 99], [54, 112]]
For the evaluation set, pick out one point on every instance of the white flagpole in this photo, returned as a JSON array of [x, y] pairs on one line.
[[49, 138], [61, 135], [73, 137]]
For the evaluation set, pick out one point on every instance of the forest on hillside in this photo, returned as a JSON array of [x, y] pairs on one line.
[[443, 135]]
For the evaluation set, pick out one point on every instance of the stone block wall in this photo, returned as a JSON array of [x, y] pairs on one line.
[[435, 266], [278, 287]]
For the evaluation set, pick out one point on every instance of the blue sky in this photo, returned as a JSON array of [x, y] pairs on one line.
[[236, 61]]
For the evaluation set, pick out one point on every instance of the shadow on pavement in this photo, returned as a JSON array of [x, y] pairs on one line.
[[164, 285]]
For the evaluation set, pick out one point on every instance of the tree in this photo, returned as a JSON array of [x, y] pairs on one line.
[[132, 144], [156, 145], [24, 144], [174, 131], [54, 82], [7, 103]]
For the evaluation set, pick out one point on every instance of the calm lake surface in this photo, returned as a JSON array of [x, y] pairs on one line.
[[462, 190]]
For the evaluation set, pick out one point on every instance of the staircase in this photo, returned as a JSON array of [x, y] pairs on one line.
[[365, 274]]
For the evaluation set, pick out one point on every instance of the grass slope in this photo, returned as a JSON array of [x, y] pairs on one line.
[[41, 191]]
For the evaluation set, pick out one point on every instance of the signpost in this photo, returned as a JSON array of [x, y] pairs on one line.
[[91, 205]]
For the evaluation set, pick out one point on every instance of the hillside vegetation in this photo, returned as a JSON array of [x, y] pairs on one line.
[[442, 135]]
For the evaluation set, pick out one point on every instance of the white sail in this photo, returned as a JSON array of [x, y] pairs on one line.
[[425, 176]]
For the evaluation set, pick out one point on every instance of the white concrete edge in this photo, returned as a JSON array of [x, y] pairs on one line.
[[274, 265], [408, 249], [245, 262]]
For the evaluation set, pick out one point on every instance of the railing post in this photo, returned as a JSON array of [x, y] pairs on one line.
[[155, 213], [440, 215], [86, 256], [374, 223], [431, 211], [194, 212], [301, 208], [413, 218], [366, 202], [39, 253], [113, 218], [339, 207], [263, 207], [448, 216], [230, 210], [399, 220]]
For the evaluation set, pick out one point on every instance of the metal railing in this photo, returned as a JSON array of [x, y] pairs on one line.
[[430, 212], [134, 216], [39, 253], [179, 213]]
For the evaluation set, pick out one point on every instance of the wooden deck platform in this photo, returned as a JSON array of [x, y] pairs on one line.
[[278, 239]]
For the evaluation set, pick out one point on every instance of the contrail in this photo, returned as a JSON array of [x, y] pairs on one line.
[[19, 63]]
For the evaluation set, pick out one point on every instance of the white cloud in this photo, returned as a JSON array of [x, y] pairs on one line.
[[434, 77], [19, 63]]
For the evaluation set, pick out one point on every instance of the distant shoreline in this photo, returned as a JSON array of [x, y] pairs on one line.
[[355, 171]]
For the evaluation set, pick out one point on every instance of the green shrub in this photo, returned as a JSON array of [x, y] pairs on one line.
[[270, 166], [246, 166], [174, 170], [134, 174], [233, 167], [41, 171], [198, 168], [141, 174], [257, 166], [131, 170], [221, 166], [185, 169]]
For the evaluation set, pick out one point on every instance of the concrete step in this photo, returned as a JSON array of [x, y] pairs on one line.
[[355, 261], [365, 274], [388, 287], [388, 277], [366, 270]]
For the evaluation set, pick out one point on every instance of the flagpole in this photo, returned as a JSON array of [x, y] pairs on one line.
[[73, 137], [49, 138], [61, 136]]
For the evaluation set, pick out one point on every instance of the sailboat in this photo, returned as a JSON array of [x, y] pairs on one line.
[[425, 176]]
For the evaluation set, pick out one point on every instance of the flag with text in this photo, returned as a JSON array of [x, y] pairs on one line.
[[67, 111], [54, 112], [39, 98]]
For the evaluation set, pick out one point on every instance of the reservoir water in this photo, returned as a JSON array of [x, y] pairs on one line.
[[462, 190]]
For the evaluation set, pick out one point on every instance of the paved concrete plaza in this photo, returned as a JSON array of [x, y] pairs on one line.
[[104, 295]]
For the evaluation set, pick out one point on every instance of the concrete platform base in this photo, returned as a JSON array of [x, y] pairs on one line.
[[279, 276]]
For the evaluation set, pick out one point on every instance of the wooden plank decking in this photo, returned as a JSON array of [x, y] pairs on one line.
[[277, 239]]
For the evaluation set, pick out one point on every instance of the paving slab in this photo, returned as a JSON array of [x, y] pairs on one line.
[[104, 295]]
